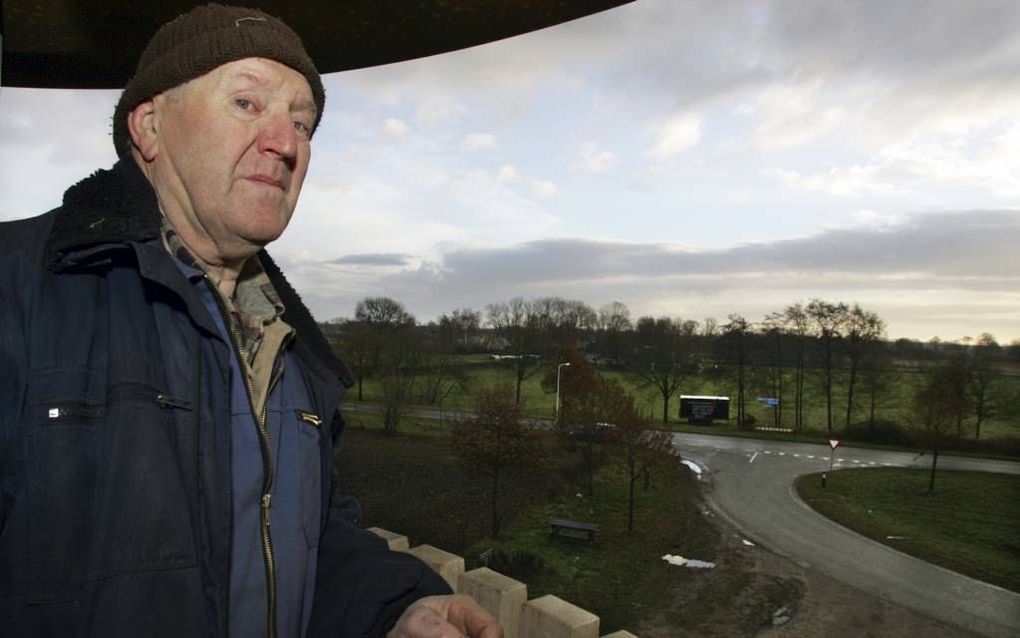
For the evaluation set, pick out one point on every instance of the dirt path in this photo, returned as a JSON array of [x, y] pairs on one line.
[[820, 605]]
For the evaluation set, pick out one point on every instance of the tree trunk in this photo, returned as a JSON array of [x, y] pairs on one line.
[[591, 468], [630, 507], [871, 415], [361, 386], [934, 461], [665, 407], [495, 504], [850, 392]]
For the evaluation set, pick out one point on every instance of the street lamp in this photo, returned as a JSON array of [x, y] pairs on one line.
[[559, 369]]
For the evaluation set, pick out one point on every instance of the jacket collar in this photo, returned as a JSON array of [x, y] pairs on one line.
[[113, 208]]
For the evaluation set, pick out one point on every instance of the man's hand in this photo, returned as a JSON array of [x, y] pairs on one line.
[[456, 616]]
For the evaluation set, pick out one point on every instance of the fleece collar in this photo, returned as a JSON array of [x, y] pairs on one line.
[[112, 208]]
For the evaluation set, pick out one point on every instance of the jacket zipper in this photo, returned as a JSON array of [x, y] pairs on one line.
[[261, 427]]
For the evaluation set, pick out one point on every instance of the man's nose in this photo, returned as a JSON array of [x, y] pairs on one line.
[[278, 136]]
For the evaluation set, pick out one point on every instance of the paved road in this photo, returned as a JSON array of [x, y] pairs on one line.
[[750, 482]]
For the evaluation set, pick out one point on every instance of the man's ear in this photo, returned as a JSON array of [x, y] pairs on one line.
[[142, 125]]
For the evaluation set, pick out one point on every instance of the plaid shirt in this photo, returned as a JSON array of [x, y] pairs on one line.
[[255, 312]]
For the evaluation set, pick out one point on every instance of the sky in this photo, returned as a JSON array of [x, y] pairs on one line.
[[690, 159]]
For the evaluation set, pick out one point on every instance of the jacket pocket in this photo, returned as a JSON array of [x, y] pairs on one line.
[[309, 425], [101, 479], [61, 472]]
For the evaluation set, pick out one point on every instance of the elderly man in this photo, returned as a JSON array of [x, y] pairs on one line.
[[168, 411]]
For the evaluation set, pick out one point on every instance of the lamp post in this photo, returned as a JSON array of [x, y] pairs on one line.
[[559, 369]]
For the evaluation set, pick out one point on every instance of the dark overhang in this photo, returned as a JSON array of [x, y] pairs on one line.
[[94, 44]]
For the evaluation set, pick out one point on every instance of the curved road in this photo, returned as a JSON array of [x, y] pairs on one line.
[[750, 482]]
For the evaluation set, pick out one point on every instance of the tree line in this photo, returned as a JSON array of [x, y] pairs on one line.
[[834, 350]]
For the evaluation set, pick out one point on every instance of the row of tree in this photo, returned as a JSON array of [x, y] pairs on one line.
[[817, 347]]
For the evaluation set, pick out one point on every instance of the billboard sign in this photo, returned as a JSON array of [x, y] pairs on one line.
[[702, 409]]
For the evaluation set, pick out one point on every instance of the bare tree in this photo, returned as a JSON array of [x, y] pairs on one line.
[[459, 327], [521, 324], [936, 408], [494, 440], [829, 320], [641, 447], [983, 384], [798, 324], [580, 405], [734, 342], [863, 330], [394, 353], [663, 356], [614, 322], [876, 375], [773, 327]]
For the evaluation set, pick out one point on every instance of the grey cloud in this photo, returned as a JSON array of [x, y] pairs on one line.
[[935, 273], [957, 245], [373, 259], [686, 53]]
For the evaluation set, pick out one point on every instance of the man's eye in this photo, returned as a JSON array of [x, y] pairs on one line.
[[302, 128], [244, 103]]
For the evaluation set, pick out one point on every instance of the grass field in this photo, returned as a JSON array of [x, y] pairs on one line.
[[412, 484], [894, 406], [971, 524]]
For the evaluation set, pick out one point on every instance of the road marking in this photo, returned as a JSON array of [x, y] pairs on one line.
[[768, 452], [781, 453], [753, 457], [796, 456], [857, 461], [871, 462], [810, 456], [887, 464], [841, 460]]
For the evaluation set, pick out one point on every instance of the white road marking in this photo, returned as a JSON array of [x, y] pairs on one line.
[[810, 456], [781, 453], [768, 451], [796, 456], [753, 457]]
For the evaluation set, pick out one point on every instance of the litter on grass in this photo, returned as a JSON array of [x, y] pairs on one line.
[[680, 561], [747, 542], [693, 466]]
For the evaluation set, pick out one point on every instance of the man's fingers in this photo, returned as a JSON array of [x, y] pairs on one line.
[[468, 616], [455, 616], [423, 620]]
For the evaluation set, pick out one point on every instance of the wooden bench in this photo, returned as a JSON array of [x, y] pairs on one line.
[[573, 530]]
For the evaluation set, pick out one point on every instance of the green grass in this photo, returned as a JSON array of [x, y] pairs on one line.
[[894, 407], [971, 524], [411, 483]]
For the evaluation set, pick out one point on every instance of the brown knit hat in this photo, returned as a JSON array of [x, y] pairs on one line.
[[197, 42]]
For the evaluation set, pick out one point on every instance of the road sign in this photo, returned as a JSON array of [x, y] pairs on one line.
[[834, 443]]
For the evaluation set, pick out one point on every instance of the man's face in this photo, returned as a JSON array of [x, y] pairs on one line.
[[233, 153]]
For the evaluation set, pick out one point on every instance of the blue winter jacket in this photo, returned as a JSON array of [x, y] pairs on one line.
[[115, 484]]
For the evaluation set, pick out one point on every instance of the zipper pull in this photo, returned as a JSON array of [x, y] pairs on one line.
[[266, 498], [166, 402], [308, 417]]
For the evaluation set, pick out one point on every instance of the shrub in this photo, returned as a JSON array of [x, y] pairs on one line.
[[516, 563]]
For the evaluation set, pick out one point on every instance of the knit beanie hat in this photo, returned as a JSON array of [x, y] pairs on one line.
[[197, 42]]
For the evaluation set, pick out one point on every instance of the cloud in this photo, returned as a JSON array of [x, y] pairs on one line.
[[592, 160], [395, 127], [899, 269], [373, 259], [508, 173], [544, 188], [478, 142], [677, 134]]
